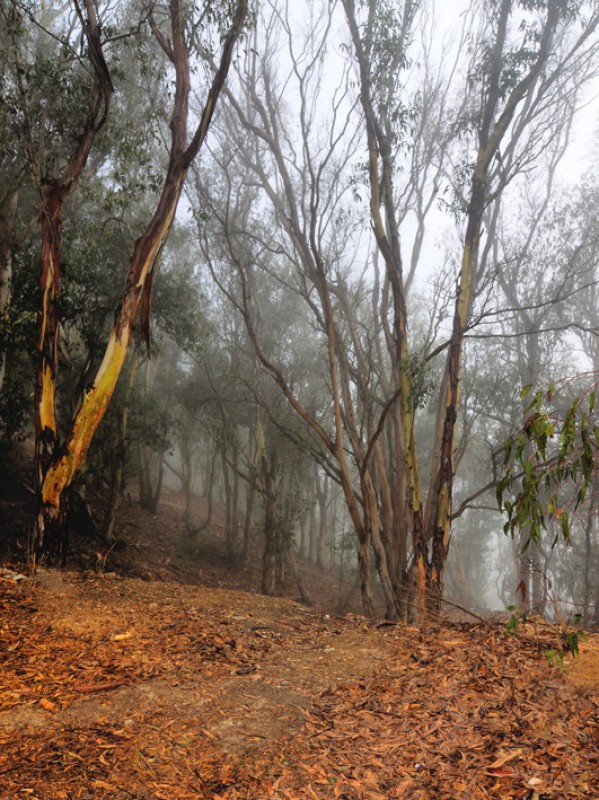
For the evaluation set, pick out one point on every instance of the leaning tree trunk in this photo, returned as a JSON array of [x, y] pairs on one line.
[[65, 463], [50, 534], [494, 126], [442, 488], [50, 530]]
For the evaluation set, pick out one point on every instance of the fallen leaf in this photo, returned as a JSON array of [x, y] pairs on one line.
[[500, 772], [505, 759], [104, 785]]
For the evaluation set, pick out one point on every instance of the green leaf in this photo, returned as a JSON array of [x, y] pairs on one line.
[[555, 659], [526, 390], [565, 527]]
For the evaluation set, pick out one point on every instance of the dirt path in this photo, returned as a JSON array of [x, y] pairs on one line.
[[247, 665], [120, 688]]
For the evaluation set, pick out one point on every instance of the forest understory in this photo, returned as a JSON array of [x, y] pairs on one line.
[[146, 673]]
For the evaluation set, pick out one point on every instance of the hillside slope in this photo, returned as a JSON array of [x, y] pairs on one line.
[[123, 688]]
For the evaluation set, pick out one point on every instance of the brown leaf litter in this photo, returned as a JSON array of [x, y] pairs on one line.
[[123, 689]]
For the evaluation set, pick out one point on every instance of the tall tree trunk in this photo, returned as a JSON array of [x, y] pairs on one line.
[[372, 524], [441, 492], [49, 535], [50, 530], [387, 238], [8, 212], [270, 533], [250, 498], [496, 118], [322, 494], [66, 462]]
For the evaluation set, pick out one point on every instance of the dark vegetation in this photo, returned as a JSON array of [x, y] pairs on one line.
[[172, 544]]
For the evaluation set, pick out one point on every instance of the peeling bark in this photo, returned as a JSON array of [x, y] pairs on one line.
[[136, 298], [50, 532], [495, 123]]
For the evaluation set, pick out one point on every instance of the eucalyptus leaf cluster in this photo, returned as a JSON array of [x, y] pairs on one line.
[[549, 464]]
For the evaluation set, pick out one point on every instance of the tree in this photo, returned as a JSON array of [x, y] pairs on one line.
[[58, 463], [515, 77], [286, 201], [56, 171], [549, 486], [291, 180]]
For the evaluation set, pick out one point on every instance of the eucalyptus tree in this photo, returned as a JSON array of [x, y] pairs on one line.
[[301, 172], [523, 58], [295, 185], [582, 218], [58, 135], [290, 153], [550, 482], [59, 129], [259, 437]]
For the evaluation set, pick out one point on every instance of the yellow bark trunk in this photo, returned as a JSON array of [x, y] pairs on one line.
[[95, 402]]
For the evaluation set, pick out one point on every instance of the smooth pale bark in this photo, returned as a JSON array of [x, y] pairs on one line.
[[491, 136], [137, 293], [494, 125], [387, 238]]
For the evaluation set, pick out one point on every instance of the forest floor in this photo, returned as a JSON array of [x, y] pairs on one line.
[[141, 674]]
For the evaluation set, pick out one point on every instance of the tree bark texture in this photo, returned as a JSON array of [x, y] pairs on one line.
[[136, 298], [8, 212], [53, 194]]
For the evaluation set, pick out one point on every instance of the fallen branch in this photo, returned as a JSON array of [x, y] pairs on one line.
[[100, 687]]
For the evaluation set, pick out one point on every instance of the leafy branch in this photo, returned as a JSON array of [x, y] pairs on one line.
[[549, 453]]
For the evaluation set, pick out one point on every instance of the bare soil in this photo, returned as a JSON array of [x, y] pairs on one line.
[[156, 670], [117, 688]]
